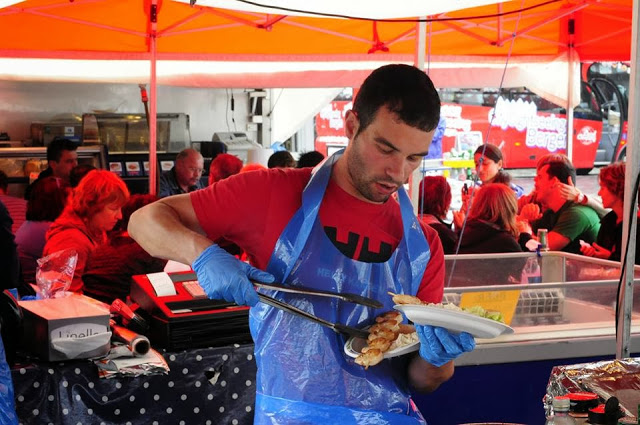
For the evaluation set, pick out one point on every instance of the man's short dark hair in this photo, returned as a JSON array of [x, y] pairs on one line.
[[4, 181], [310, 159], [559, 166], [57, 145], [281, 159], [407, 91]]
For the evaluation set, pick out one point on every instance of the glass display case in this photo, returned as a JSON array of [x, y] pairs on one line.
[[23, 164], [129, 133], [126, 137], [555, 297], [563, 311]]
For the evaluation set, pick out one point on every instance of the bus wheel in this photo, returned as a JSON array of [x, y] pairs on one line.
[[583, 171]]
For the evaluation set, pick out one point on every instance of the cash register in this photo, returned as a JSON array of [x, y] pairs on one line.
[[182, 316]]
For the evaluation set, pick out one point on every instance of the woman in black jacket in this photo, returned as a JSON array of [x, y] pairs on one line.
[[491, 226]]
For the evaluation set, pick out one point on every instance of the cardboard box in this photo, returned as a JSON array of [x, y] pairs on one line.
[[74, 327]]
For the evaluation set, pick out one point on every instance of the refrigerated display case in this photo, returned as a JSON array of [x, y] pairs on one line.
[[563, 310], [126, 137], [23, 164]]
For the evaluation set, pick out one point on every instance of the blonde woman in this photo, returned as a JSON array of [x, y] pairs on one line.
[[491, 226]]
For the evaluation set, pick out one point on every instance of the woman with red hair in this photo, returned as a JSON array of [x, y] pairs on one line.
[[93, 210], [224, 165], [433, 204]]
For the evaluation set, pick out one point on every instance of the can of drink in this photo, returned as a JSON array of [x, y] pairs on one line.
[[542, 239]]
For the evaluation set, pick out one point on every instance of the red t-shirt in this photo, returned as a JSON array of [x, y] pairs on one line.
[[252, 209]]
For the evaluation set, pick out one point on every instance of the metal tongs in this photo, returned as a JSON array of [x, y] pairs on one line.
[[337, 327]]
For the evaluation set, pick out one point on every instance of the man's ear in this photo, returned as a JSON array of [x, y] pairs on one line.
[[351, 124]]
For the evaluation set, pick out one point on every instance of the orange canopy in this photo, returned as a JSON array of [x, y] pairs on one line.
[[93, 29]]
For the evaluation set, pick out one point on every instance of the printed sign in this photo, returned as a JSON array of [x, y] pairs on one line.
[[133, 169], [503, 301], [116, 167]]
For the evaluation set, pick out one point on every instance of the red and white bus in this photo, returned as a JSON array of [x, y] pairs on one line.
[[525, 125]]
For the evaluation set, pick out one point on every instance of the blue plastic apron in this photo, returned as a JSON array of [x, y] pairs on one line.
[[304, 376]]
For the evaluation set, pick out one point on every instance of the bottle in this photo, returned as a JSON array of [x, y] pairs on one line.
[[560, 412]]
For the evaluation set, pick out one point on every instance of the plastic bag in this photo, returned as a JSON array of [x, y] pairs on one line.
[[55, 272], [7, 404]]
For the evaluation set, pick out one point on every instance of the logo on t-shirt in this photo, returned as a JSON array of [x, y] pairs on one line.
[[358, 247]]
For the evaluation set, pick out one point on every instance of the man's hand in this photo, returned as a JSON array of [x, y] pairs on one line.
[[530, 212], [438, 346], [594, 250], [223, 276]]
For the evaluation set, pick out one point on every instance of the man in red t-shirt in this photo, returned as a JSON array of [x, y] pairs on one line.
[[281, 219]]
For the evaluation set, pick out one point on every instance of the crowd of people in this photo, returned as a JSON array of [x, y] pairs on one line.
[[75, 206], [493, 219], [249, 222]]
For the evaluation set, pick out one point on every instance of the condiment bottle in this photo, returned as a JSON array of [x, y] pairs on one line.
[[560, 412]]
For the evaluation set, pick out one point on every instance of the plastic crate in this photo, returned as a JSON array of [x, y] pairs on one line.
[[540, 303]]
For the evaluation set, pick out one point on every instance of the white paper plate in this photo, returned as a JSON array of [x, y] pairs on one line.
[[353, 346], [454, 321]]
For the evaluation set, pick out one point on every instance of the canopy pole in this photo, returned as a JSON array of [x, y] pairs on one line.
[[153, 157], [572, 54], [418, 62], [629, 221]]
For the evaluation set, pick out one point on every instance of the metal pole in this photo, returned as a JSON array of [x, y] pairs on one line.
[[153, 157], [629, 221], [571, 60], [421, 41]]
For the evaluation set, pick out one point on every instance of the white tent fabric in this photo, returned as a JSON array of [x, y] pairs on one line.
[[354, 8], [546, 76]]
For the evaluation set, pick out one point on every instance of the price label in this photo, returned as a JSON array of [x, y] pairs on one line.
[[503, 301]]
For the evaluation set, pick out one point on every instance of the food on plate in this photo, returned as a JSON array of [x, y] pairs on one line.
[[370, 358], [389, 325], [387, 332], [406, 329], [405, 299], [382, 333], [390, 316], [476, 310], [404, 339], [479, 311], [381, 344]]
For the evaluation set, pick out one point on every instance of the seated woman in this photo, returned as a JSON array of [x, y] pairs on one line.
[[93, 210], [491, 226], [107, 274], [433, 203], [488, 159], [47, 201], [608, 244]]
